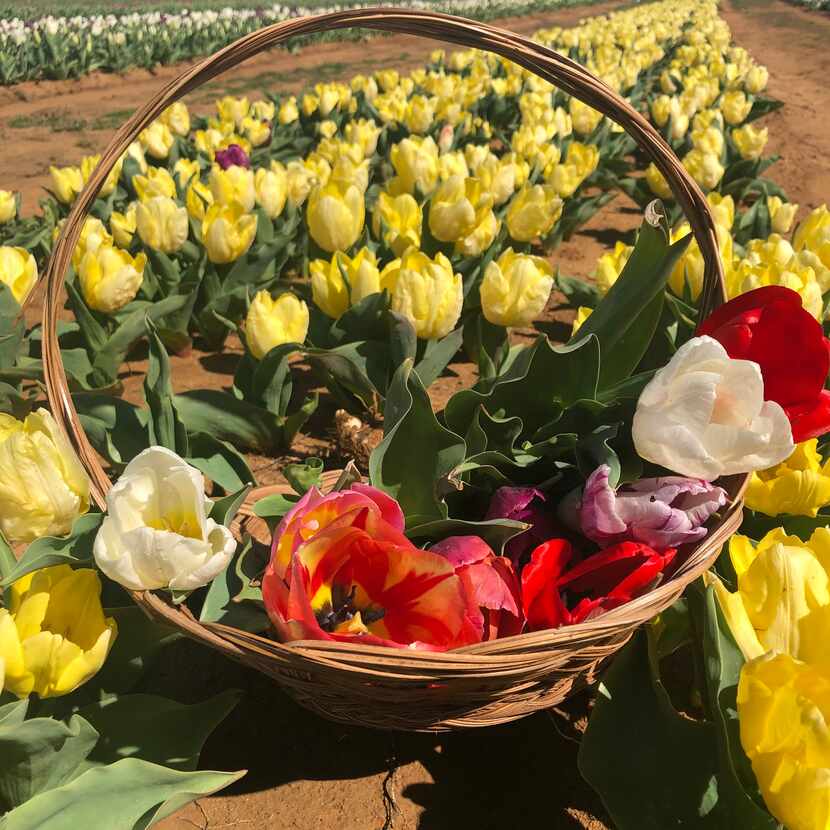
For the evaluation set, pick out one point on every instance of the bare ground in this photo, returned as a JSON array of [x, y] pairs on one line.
[[304, 772]]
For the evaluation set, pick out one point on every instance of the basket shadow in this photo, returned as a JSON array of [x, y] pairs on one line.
[[496, 777]]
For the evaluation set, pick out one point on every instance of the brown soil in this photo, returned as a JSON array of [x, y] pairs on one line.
[[304, 772]]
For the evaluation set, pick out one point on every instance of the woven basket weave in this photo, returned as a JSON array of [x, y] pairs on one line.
[[489, 683]]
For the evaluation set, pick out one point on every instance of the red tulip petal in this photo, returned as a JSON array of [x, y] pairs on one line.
[[809, 420], [747, 306], [542, 603]]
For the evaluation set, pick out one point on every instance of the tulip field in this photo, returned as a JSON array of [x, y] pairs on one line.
[[387, 360]]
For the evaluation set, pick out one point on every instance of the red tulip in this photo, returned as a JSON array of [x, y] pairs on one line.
[[770, 327], [343, 584], [491, 585], [607, 580]]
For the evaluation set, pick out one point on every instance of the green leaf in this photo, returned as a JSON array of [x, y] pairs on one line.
[[273, 508], [74, 549], [164, 425], [652, 767], [578, 292], [40, 754], [126, 795], [756, 525], [539, 383], [94, 334], [219, 461], [12, 327], [116, 428], [154, 728], [303, 477], [626, 318], [496, 532], [8, 561], [437, 355], [224, 510], [226, 418], [417, 456]]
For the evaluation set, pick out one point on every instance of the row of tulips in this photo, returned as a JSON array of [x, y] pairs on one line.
[[62, 46]]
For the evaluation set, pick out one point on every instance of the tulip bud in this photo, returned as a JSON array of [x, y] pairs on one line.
[[157, 140], [756, 80], [177, 118], [18, 271], [227, 232], [781, 214], [288, 113], [661, 110], [333, 293], [454, 208], [53, 634], [157, 182], [335, 215], [89, 163], [263, 110], [233, 156], [162, 224], [273, 322], [515, 289], [186, 170], [233, 109], [425, 291], [157, 533], [723, 210], [533, 212], [43, 487], [813, 234], [236, 184], [365, 133], [585, 118], [398, 220], [110, 278], [8, 206], [705, 168], [67, 183], [415, 160], [258, 132], [610, 266], [735, 107], [271, 189]]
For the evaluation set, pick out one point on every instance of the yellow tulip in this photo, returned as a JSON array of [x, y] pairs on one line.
[[689, 268], [415, 160], [8, 206], [756, 79], [258, 132], [233, 109], [335, 215], [502, 177], [783, 710], [263, 110], [705, 168], [456, 208], [533, 212], [565, 179], [723, 209], [452, 164], [288, 113], [185, 171], [122, 226], [110, 278], [93, 234], [177, 118], [43, 487], [304, 177], [198, 199], [327, 128], [162, 224], [419, 114], [426, 292], [610, 266], [584, 157], [365, 133], [227, 232], [813, 234], [781, 583], [157, 140], [54, 636], [781, 214], [309, 104], [398, 220], [328, 98], [157, 182], [343, 281], [18, 271], [273, 322], [67, 183], [708, 140], [799, 486], [585, 119], [515, 289], [136, 152], [387, 78], [236, 184], [735, 107], [661, 110], [271, 188], [582, 314], [657, 182], [749, 141], [347, 172], [89, 163]]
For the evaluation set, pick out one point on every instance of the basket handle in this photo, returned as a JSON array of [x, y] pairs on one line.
[[542, 61]]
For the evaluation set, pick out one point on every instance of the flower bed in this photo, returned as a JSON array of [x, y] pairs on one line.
[[372, 231]]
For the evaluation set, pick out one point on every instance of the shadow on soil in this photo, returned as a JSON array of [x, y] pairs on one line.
[[505, 776]]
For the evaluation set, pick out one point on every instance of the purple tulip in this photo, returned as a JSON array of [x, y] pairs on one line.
[[234, 156], [660, 512], [522, 504]]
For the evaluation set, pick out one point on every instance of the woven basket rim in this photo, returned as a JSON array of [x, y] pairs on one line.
[[529, 650]]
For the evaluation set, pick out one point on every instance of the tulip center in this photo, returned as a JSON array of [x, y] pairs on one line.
[[344, 607], [184, 524]]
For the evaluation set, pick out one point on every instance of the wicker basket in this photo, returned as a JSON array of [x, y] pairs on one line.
[[489, 683]]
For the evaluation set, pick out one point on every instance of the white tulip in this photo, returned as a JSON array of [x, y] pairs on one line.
[[703, 415], [157, 533]]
